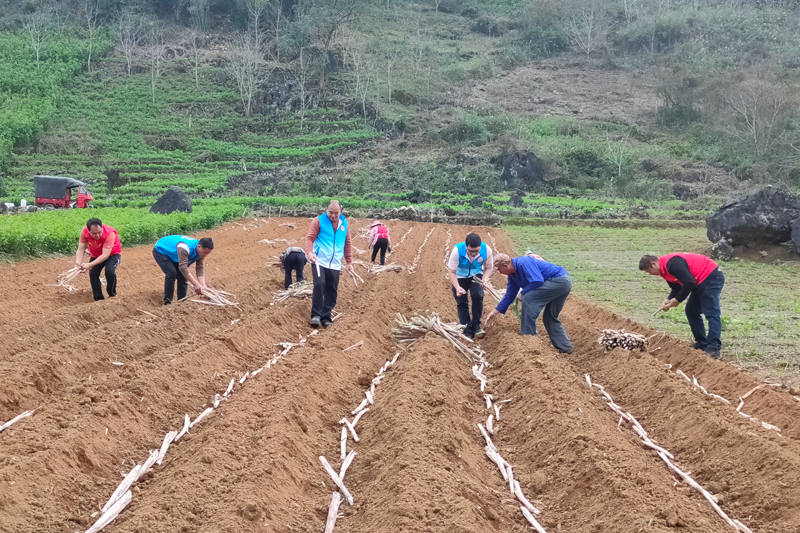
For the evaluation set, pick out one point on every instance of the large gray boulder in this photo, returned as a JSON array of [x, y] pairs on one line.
[[522, 171], [763, 217], [796, 235], [172, 200]]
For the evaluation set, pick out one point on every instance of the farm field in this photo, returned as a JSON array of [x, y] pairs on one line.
[[253, 464]]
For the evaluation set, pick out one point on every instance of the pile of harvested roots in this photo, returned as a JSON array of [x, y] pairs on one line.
[[391, 267], [613, 338], [410, 331], [301, 289]]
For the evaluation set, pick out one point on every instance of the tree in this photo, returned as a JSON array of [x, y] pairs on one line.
[[197, 54], [36, 24], [586, 29], [276, 12], [90, 13], [363, 68], [329, 17], [129, 33], [618, 154], [301, 70], [257, 9], [155, 51], [113, 179], [200, 10], [246, 64]]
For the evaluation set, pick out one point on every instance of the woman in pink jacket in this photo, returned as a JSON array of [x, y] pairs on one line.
[[379, 240]]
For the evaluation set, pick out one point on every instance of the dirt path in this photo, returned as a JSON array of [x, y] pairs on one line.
[[253, 465]]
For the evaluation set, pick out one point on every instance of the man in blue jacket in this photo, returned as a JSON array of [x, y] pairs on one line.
[[544, 285], [327, 243], [174, 254]]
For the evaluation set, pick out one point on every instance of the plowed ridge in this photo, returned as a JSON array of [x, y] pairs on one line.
[[254, 464]]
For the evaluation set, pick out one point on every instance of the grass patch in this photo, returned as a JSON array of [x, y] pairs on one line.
[[760, 306]]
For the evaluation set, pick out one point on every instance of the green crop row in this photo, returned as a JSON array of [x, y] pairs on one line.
[[57, 231]]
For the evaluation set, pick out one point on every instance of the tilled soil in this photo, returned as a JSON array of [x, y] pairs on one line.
[[253, 465]]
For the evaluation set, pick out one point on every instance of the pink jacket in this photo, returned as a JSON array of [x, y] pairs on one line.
[[378, 232]]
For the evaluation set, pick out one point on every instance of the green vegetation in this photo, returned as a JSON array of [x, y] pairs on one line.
[[760, 306], [57, 231]]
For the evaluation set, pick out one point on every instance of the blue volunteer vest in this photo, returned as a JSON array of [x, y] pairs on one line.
[[467, 269], [329, 245], [169, 246]]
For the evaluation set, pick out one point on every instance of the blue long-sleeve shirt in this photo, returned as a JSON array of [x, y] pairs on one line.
[[530, 273]]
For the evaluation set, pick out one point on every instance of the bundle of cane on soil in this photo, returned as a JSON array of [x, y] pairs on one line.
[[497, 295], [66, 279], [408, 332], [391, 267], [301, 289], [219, 298], [613, 338]]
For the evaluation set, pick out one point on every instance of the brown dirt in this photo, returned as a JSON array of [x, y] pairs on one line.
[[253, 465]]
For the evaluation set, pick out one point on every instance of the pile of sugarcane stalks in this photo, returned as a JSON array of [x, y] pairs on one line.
[[391, 267], [16, 419], [219, 298], [496, 294], [67, 279], [356, 277], [612, 338], [666, 457], [301, 289], [408, 332]]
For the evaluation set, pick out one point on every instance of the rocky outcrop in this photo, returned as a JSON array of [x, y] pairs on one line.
[[722, 250], [522, 171], [796, 235], [763, 217], [516, 201], [172, 200]]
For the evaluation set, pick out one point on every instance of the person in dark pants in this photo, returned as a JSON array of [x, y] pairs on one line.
[[327, 244], [544, 286], [698, 278], [468, 260], [379, 240], [293, 259], [174, 254], [105, 249]]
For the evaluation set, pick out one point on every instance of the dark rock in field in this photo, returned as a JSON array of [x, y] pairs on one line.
[[470, 12], [763, 217], [476, 202], [172, 200], [449, 211], [402, 213], [684, 191], [648, 165], [516, 201], [522, 171], [491, 26], [639, 212], [722, 250], [796, 234], [205, 156], [403, 97], [419, 197], [3, 208]]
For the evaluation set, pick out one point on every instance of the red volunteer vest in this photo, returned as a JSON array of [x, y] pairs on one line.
[[96, 245], [383, 232], [700, 267]]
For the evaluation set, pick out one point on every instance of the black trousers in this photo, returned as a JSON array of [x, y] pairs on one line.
[[326, 290], [294, 261], [381, 244], [110, 264], [474, 291], [171, 274]]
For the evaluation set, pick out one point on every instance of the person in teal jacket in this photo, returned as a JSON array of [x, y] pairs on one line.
[[174, 254]]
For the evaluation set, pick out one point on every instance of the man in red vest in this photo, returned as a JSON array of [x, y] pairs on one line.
[[699, 278], [105, 250]]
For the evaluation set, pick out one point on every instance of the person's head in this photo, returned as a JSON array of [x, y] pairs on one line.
[[95, 228], [473, 243], [334, 210], [503, 264], [649, 264], [375, 223], [204, 247]]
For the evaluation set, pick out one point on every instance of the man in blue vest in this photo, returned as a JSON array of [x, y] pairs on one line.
[[327, 243], [468, 260], [174, 254]]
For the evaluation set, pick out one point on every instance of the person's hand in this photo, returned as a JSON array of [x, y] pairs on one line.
[[85, 266], [490, 318], [460, 291], [312, 257], [350, 268], [669, 304], [198, 289]]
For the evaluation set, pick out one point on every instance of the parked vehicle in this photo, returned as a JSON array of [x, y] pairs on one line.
[[57, 191]]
